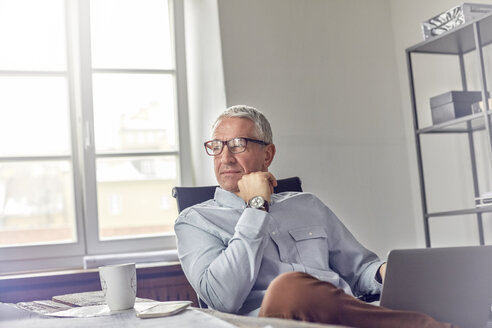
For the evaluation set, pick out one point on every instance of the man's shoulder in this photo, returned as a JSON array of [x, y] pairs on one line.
[[305, 201], [294, 196]]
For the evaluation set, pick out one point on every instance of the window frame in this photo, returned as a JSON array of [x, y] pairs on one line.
[[79, 73]]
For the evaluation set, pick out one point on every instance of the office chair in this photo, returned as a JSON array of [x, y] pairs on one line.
[[189, 196]]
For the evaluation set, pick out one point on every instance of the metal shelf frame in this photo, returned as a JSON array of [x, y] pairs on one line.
[[472, 36]]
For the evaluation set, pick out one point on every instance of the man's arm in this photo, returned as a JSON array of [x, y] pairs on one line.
[[356, 265], [223, 275]]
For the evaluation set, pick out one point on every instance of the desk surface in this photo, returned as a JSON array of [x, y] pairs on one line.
[[13, 317]]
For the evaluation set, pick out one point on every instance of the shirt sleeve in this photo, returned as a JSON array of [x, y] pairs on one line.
[[222, 274], [352, 261]]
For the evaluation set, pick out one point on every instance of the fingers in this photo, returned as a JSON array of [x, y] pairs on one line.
[[256, 184], [272, 179]]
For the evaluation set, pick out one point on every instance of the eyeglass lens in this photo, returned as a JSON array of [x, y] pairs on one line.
[[236, 145]]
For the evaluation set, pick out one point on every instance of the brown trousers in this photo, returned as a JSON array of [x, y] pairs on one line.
[[299, 296]]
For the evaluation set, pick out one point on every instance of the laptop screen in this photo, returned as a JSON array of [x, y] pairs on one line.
[[450, 284]]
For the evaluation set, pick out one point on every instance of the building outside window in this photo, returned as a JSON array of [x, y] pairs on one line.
[[89, 138]]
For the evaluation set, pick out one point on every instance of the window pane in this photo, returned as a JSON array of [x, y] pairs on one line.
[[134, 196], [134, 112], [36, 203], [34, 116], [130, 34], [32, 35]]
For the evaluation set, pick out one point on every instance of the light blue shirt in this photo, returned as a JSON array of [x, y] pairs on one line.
[[231, 253]]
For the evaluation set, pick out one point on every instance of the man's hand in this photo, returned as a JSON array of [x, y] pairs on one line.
[[382, 272], [256, 184]]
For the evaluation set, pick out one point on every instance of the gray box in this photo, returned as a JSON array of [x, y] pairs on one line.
[[453, 104], [454, 17]]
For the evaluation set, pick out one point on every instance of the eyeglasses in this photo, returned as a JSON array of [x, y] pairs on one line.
[[235, 146]]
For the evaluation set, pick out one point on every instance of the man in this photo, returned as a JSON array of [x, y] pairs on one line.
[[249, 251]]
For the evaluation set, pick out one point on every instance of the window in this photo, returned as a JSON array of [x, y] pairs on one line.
[[89, 138]]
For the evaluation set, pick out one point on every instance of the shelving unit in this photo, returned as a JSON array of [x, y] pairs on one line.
[[473, 36]]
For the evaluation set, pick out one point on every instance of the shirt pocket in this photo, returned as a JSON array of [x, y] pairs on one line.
[[312, 246]]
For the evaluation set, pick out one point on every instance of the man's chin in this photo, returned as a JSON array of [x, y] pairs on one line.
[[231, 189], [229, 182], [229, 186]]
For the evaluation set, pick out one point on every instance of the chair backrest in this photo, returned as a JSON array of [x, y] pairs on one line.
[[189, 196]]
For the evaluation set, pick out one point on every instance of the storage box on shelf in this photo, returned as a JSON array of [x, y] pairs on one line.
[[453, 104]]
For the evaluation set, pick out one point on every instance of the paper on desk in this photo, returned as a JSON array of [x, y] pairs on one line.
[[43, 307], [102, 310], [83, 312], [13, 317], [163, 309]]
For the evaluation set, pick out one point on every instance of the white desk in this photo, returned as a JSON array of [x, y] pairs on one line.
[[12, 317]]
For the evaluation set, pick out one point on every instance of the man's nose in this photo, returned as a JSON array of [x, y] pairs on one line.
[[227, 156]]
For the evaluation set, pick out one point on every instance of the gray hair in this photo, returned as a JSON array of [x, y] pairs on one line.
[[262, 126]]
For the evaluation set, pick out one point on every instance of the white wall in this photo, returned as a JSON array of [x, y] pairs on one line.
[[331, 76], [325, 74]]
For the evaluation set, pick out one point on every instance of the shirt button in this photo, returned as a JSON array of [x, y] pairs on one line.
[[310, 233], [274, 233]]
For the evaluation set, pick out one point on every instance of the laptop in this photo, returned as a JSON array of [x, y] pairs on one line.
[[450, 284]]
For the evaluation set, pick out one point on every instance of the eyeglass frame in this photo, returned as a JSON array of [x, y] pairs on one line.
[[226, 142]]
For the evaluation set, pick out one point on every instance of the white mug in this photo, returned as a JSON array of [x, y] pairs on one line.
[[119, 285]]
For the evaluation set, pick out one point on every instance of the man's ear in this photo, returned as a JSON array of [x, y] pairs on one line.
[[269, 154]]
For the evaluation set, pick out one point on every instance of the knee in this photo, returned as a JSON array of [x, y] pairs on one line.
[[297, 295], [283, 295], [289, 292], [289, 283]]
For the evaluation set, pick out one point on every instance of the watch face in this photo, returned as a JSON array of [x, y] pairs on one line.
[[257, 202]]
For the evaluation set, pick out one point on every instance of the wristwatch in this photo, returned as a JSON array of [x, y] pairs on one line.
[[258, 202]]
